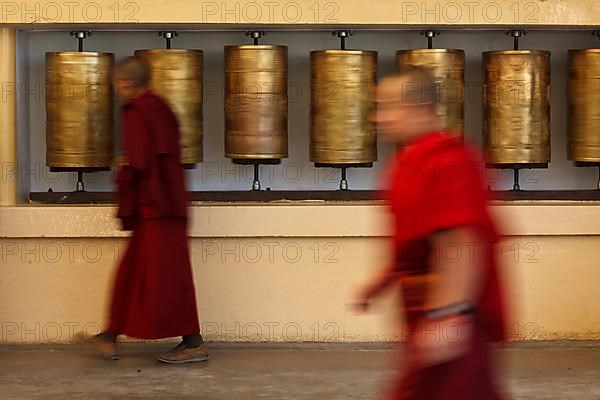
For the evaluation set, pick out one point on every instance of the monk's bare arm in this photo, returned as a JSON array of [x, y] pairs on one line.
[[374, 287], [456, 261], [381, 281]]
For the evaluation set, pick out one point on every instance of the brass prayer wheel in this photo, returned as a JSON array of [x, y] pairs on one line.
[[176, 76], [342, 99], [256, 102], [447, 67], [584, 105], [79, 110], [516, 99]]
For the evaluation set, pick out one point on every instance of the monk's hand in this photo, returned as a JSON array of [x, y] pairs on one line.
[[362, 301], [120, 161], [440, 341]]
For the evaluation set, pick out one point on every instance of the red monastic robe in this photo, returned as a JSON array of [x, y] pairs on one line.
[[153, 295], [437, 183]]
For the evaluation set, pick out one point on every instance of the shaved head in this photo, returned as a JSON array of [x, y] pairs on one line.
[[413, 85], [406, 105], [133, 69]]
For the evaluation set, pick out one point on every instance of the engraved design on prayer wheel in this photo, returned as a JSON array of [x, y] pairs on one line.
[[447, 67], [176, 76], [516, 101], [79, 110], [342, 99], [584, 105], [256, 102]]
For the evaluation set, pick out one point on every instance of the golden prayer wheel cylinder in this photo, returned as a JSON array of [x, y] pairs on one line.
[[584, 105], [176, 76], [256, 102], [516, 98], [342, 99], [79, 110], [447, 67]]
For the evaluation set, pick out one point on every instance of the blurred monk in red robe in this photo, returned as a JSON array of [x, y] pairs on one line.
[[443, 249], [153, 295]]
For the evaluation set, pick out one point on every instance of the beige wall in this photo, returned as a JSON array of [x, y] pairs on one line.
[[289, 280]]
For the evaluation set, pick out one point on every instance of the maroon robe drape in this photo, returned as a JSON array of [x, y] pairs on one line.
[[435, 184], [153, 295]]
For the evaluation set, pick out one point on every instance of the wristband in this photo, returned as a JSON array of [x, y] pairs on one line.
[[462, 308]]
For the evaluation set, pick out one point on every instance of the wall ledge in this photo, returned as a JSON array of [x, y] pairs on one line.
[[291, 219]]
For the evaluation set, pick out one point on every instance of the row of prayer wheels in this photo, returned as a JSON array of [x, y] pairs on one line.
[[516, 103]]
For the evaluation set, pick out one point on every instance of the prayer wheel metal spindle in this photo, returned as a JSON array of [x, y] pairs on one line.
[[516, 98], [256, 104], [176, 76], [447, 67], [79, 112], [342, 100], [584, 107]]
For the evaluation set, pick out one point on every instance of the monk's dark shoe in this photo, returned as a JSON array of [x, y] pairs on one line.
[[182, 354]]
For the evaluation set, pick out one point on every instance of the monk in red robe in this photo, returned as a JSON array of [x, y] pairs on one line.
[[153, 295], [443, 249]]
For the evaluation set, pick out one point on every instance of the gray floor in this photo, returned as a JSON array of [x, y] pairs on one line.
[[309, 371]]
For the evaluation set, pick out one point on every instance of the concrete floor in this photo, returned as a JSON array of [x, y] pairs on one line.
[[537, 371]]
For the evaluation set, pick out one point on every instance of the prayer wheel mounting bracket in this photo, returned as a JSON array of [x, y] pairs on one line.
[[81, 36], [168, 36], [80, 187], [256, 164], [430, 34], [342, 34], [516, 167], [516, 34], [256, 36], [343, 168]]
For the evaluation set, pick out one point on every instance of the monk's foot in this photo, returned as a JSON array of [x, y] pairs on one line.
[[183, 354], [106, 348]]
